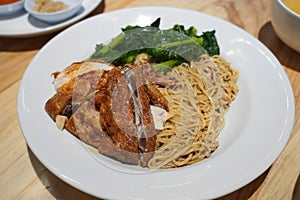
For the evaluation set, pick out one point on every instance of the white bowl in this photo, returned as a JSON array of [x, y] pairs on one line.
[[286, 24], [11, 8], [54, 17]]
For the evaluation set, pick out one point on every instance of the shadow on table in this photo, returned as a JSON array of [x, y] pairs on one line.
[[24, 44], [296, 193], [58, 188], [247, 191], [287, 56], [36, 43]]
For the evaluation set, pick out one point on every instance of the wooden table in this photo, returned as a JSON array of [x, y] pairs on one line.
[[22, 176]]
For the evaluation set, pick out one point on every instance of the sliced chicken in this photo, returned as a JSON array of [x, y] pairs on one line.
[[74, 85], [111, 108]]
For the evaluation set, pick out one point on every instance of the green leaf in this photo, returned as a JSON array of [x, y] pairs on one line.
[[176, 44]]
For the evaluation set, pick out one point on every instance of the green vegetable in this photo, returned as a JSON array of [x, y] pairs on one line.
[[156, 24], [166, 65], [210, 43], [167, 47]]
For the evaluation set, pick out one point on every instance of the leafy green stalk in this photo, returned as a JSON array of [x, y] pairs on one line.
[[178, 43], [166, 65], [112, 44]]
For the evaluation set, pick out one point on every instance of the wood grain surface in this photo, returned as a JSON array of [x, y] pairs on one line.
[[22, 176]]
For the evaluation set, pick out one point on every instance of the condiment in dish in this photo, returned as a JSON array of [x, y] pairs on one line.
[[52, 14], [5, 2], [294, 5], [49, 6]]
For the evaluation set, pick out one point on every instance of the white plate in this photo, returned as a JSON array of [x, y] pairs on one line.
[[21, 24], [257, 128]]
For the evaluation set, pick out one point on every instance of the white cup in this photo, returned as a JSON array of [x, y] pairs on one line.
[[286, 24]]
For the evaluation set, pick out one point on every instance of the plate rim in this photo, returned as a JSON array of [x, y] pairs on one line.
[[280, 68]]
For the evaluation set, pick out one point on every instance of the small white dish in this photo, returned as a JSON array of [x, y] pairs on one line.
[[54, 17], [23, 25], [11, 8]]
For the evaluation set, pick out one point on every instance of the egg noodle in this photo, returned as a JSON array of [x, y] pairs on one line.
[[197, 106]]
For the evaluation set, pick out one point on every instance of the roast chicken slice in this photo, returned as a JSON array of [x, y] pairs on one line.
[[109, 109]]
